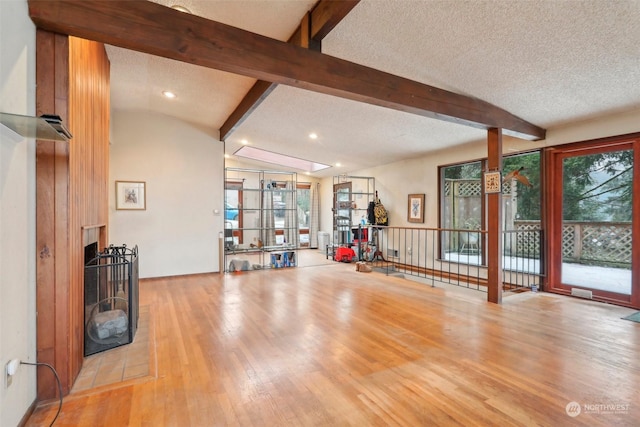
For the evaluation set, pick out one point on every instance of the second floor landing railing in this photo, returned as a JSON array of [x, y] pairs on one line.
[[452, 256]]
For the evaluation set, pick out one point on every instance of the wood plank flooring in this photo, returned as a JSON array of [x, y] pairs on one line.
[[328, 346]]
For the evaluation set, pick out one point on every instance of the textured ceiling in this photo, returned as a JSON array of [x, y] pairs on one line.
[[548, 62]]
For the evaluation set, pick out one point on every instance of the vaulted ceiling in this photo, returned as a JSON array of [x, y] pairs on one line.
[[546, 63]]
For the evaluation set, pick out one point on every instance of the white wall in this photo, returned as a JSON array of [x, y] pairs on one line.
[[182, 166], [17, 212]]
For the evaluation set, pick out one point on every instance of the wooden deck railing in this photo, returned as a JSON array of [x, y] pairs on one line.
[[587, 242]]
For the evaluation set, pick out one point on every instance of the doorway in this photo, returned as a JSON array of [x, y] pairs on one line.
[[233, 213], [592, 211]]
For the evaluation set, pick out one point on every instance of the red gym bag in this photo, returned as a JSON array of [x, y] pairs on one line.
[[344, 254]]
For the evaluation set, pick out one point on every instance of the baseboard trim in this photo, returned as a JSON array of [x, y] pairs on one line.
[[27, 415]]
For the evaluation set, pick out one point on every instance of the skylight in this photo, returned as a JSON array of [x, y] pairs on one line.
[[279, 159]]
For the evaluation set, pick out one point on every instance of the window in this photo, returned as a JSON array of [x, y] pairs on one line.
[[522, 192], [233, 212], [304, 209], [462, 191], [461, 208], [462, 203]]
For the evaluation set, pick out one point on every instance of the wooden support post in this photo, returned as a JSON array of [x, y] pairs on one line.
[[494, 220]]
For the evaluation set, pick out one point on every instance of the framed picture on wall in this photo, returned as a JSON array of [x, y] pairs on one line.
[[492, 182], [131, 195], [415, 210]]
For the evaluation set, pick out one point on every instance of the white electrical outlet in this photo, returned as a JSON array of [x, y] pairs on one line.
[[10, 369]]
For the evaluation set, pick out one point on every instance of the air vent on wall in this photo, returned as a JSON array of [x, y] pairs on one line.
[[47, 127], [582, 293]]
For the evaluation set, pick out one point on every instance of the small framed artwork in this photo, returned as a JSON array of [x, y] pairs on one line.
[[493, 182], [415, 210], [131, 195]]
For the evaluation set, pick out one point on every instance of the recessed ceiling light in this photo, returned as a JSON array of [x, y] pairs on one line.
[[226, 156], [180, 8], [338, 165], [169, 94], [313, 135], [244, 142]]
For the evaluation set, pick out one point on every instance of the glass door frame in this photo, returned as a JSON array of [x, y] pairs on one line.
[[236, 185], [303, 186], [343, 229], [553, 214]]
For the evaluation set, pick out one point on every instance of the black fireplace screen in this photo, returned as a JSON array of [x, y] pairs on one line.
[[110, 299]]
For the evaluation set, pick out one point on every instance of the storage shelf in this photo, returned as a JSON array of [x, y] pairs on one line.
[[269, 190], [351, 198], [265, 209], [261, 228], [261, 249], [259, 199]]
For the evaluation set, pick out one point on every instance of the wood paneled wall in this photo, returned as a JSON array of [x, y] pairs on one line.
[[73, 82], [52, 205]]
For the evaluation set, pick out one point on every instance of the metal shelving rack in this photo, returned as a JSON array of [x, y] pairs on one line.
[[351, 198], [265, 233]]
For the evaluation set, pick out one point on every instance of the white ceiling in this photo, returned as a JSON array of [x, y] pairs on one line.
[[549, 62]]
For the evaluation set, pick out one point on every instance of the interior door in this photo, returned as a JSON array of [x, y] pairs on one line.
[[593, 221]]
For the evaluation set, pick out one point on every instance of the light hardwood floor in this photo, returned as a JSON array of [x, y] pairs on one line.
[[327, 346]]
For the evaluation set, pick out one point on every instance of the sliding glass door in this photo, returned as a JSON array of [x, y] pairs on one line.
[[593, 221]]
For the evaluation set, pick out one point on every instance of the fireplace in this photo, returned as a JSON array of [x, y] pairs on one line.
[[110, 297]]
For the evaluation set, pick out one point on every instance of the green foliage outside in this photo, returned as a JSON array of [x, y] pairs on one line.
[[597, 187], [528, 197], [304, 200], [465, 171], [303, 197]]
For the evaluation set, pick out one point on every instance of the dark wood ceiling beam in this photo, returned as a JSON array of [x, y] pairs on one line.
[[258, 93], [314, 26], [301, 37], [262, 88], [158, 30], [327, 14]]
